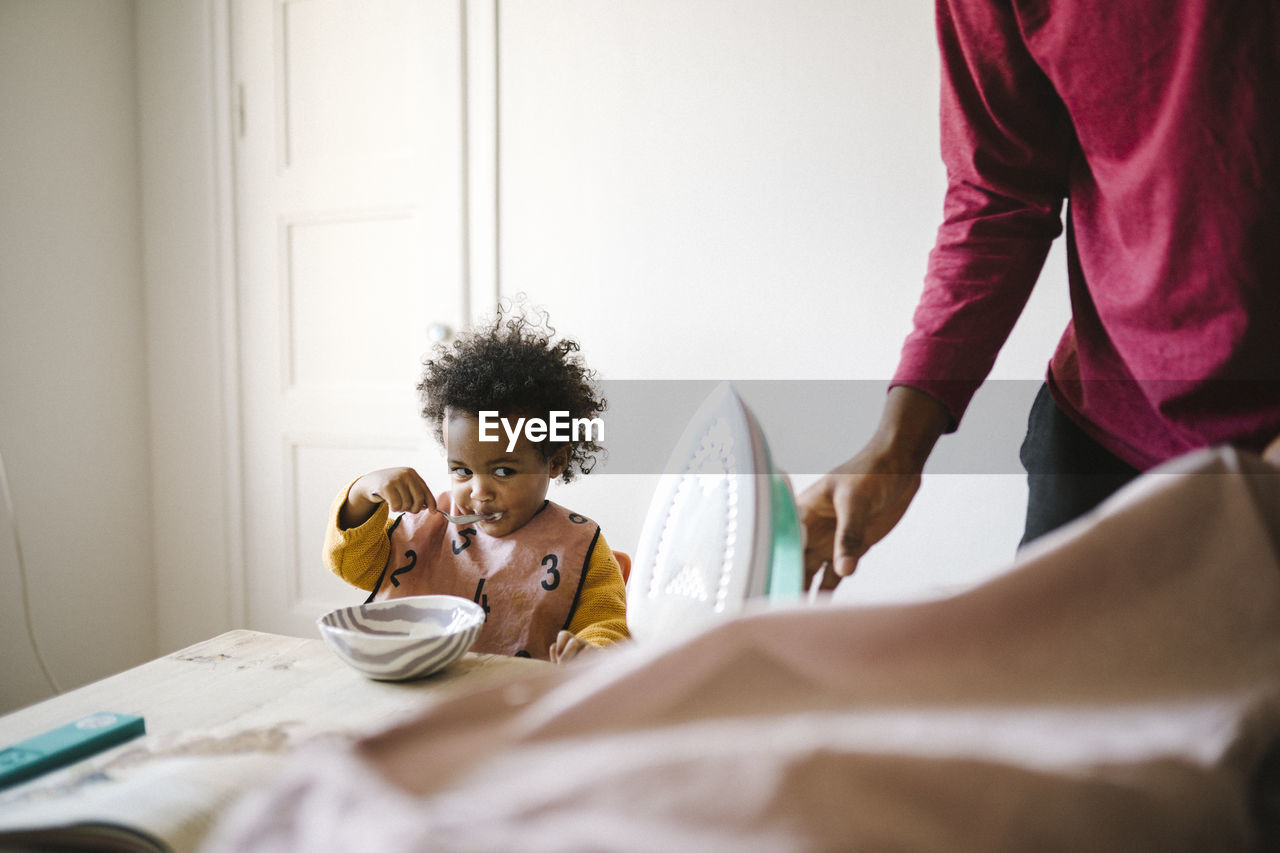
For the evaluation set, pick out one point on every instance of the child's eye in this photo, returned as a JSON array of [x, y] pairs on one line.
[[460, 473], [504, 472]]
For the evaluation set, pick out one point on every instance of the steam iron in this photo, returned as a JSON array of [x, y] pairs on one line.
[[721, 529]]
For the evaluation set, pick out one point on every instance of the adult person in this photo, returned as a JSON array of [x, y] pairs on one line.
[[1158, 122]]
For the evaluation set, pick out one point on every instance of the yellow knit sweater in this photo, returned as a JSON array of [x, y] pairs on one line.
[[359, 555]]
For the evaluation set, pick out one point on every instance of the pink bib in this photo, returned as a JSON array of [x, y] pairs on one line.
[[527, 582]]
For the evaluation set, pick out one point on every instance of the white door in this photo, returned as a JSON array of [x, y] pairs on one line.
[[349, 230]]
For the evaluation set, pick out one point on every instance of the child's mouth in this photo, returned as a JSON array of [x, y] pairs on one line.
[[493, 516]]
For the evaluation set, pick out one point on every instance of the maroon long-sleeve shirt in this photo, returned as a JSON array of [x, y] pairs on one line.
[[1159, 122]]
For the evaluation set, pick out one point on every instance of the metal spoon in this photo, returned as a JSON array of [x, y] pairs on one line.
[[463, 519]]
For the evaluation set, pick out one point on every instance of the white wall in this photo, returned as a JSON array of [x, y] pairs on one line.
[[73, 394], [748, 190]]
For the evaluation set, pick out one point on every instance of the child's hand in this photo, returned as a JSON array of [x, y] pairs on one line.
[[568, 646], [402, 489]]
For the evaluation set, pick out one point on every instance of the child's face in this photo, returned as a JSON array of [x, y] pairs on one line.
[[487, 478]]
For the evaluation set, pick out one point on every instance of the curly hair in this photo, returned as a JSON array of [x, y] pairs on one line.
[[512, 365]]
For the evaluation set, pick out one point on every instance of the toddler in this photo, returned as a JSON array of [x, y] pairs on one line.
[[550, 586]]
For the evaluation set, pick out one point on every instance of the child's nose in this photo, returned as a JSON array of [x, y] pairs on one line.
[[481, 489]]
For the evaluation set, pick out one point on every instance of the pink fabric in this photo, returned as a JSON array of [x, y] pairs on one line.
[[527, 582], [1116, 690], [1159, 122]]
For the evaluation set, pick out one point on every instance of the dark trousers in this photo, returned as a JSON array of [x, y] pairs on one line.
[[1068, 473]]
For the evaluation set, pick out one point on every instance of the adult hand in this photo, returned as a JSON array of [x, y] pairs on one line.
[[852, 508], [858, 503]]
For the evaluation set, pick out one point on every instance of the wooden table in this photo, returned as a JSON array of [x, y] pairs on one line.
[[243, 699], [244, 680]]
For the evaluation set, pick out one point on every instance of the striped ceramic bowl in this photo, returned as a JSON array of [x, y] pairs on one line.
[[402, 638]]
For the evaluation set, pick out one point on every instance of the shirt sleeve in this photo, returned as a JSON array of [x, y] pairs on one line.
[[358, 555], [600, 617], [1008, 145]]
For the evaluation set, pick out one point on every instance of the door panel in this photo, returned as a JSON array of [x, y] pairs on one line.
[[324, 260]]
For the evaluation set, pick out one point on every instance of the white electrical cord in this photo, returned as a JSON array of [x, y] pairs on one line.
[[22, 578]]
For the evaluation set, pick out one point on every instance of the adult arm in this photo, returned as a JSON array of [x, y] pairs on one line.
[[1008, 146]]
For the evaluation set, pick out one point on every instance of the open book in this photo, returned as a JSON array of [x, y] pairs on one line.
[[225, 711], [135, 801]]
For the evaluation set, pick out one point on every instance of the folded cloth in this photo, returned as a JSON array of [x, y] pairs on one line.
[[1117, 688]]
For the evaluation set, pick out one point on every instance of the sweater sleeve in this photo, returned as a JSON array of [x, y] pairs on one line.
[[600, 617], [358, 555], [1007, 144]]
